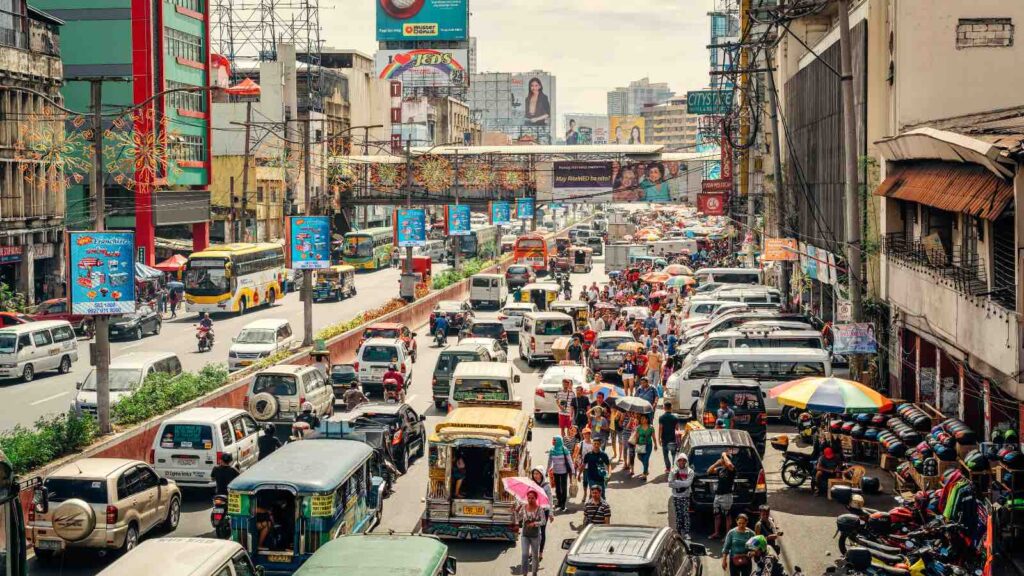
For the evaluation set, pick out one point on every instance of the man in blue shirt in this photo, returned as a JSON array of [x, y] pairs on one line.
[[647, 392], [650, 323]]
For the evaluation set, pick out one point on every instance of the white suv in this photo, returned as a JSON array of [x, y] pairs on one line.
[[373, 359], [259, 339]]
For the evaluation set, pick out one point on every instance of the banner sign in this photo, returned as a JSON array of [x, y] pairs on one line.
[[102, 272], [709, 102], [424, 68], [854, 339], [524, 208], [416, 20], [726, 158], [411, 227], [459, 219], [501, 213], [310, 240], [780, 250], [719, 185], [711, 204]]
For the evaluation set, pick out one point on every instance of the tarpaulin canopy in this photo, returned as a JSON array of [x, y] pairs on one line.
[[172, 264], [144, 272]]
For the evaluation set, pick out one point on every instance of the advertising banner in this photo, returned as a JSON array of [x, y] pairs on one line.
[[711, 203], [424, 68], [716, 185], [458, 219], [310, 240], [599, 182], [854, 339], [626, 130], [102, 272], [780, 250], [524, 208], [533, 100], [586, 129], [411, 227], [726, 159], [501, 213], [714, 102], [415, 20]]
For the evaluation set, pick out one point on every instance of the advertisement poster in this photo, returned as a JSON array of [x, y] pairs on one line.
[[854, 339], [458, 219], [416, 20], [501, 213], [411, 225], [780, 250], [533, 100], [711, 204], [601, 182], [524, 208], [626, 130], [310, 239], [586, 129], [102, 272], [424, 68]]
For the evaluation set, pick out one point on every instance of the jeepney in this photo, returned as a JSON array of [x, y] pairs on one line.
[[335, 283], [578, 309], [582, 259], [472, 450], [540, 293]]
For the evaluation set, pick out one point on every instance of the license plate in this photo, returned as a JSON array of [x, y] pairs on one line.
[[245, 362], [377, 372], [282, 558], [48, 545], [743, 419], [474, 510], [184, 461]]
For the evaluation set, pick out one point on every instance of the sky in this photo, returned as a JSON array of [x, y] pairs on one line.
[[591, 46]]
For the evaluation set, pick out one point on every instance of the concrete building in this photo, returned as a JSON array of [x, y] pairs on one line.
[[632, 99], [670, 125], [431, 121], [498, 101]]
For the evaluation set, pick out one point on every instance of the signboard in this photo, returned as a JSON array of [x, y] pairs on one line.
[[844, 311], [415, 20], [532, 100], [411, 227], [716, 185], [586, 129], [854, 339], [458, 219], [10, 254], [424, 67], [102, 272], [780, 250], [578, 180], [710, 102], [310, 241], [711, 204], [626, 129], [726, 159], [600, 182], [501, 213], [524, 208]]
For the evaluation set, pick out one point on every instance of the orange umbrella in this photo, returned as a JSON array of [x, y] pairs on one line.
[[655, 277], [677, 270]]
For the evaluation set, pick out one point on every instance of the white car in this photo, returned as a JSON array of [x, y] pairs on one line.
[[493, 347], [544, 395], [511, 316]]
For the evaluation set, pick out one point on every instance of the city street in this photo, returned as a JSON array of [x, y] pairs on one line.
[[51, 393], [808, 521]]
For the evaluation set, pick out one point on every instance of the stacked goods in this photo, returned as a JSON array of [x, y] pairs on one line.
[[942, 444], [915, 417], [976, 461], [904, 431], [958, 430], [892, 444]]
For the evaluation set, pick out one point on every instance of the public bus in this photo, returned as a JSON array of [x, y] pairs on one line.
[[234, 277], [368, 249], [531, 249], [481, 242]]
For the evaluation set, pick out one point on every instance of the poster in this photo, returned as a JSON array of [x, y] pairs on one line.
[[780, 250], [424, 68], [600, 182], [626, 130], [458, 219], [501, 213], [310, 240], [524, 208], [411, 227], [102, 272], [586, 129], [416, 20], [711, 204], [533, 100], [854, 339]]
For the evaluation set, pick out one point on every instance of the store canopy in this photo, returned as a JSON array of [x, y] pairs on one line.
[[952, 186], [144, 272], [172, 264]]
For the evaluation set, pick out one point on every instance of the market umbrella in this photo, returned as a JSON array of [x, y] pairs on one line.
[[172, 264], [831, 395], [520, 486], [679, 281], [631, 404], [655, 277], [630, 346], [659, 294], [175, 286], [609, 390], [677, 270]]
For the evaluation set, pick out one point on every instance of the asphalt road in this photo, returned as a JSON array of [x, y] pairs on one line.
[[808, 522], [51, 393]]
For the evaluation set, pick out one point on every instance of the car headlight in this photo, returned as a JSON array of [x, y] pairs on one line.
[[264, 354], [8, 365], [232, 354]]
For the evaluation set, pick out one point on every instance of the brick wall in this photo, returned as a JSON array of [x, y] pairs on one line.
[[984, 33]]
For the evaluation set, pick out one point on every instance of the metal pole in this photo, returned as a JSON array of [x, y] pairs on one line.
[[457, 240], [533, 220], [101, 323], [408, 197], [781, 206], [850, 146], [307, 275], [243, 226], [231, 227], [745, 119]]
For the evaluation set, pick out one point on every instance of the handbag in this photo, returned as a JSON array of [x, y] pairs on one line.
[[739, 560], [641, 448], [633, 438], [531, 531]]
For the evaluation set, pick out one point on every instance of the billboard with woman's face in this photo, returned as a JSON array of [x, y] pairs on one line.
[[533, 99], [626, 130]]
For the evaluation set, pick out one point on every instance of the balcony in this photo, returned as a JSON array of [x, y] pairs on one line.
[[36, 43], [964, 273]]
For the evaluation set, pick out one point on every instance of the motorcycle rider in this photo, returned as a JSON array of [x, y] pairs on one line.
[[308, 417], [394, 374], [441, 328], [223, 473], [268, 443], [765, 563], [206, 324], [353, 397]]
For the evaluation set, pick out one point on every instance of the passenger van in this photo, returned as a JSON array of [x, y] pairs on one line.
[[447, 361], [33, 347], [743, 337], [749, 295], [769, 366], [259, 339], [127, 373], [482, 381], [540, 330], [187, 445], [729, 275], [488, 289], [184, 557]]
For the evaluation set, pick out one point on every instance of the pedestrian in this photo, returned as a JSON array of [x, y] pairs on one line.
[[667, 424], [583, 447], [725, 413], [563, 399], [648, 393], [560, 465], [597, 510], [655, 363], [531, 519], [575, 350], [721, 507], [628, 442], [596, 464], [680, 480], [541, 479], [580, 407], [734, 549], [628, 372], [765, 526], [646, 443], [175, 298]]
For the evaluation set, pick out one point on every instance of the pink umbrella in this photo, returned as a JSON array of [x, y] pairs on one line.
[[520, 486]]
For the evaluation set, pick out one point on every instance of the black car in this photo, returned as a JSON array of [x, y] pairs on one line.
[[596, 243], [406, 436], [136, 325], [610, 550], [484, 328], [704, 448], [342, 376], [457, 313], [746, 400]]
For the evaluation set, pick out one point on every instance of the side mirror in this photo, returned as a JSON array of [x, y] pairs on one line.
[[697, 549], [451, 566], [40, 500], [567, 543], [529, 435], [78, 385], [516, 378], [164, 481], [695, 393], [423, 417], [234, 339]]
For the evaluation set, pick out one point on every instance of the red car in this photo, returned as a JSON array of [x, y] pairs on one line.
[[58, 309], [392, 330], [14, 318]]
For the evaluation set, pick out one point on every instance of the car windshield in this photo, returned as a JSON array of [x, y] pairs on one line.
[[379, 354], [738, 400], [256, 336], [487, 330], [274, 384], [554, 328], [207, 281], [187, 437], [381, 333], [448, 362], [61, 489], [8, 343], [386, 419], [744, 459], [121, 379], [481, 389], [612, 343], [517, 270]]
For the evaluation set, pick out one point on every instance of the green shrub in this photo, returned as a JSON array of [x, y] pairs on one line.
[[467, 269], [49, 439], [162, 392]]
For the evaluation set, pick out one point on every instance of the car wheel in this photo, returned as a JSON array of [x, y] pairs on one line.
[[173, 515], [45, 555], [156, 329], [403, 461], [791, 415], [29, 373], [138, 333], [131, 539], [65, 365]]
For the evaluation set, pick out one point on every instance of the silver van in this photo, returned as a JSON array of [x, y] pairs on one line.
[[27, 349], [127, 373], [185, 557]]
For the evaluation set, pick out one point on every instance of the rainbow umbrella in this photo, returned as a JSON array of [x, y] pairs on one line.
[[609, 390], [679, 281], [832, 395]]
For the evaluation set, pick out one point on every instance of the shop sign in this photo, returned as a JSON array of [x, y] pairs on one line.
[[10, 254], [780, 250], [711, 204]]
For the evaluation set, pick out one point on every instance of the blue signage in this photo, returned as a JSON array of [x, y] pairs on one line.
[[501, 213], [524, 208], [310, 238], [102, 272], [458, 219], [416, 20], [412, 227]]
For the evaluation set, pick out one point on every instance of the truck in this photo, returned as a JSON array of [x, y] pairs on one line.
[[618, 232], [616, 256], [674, 246]]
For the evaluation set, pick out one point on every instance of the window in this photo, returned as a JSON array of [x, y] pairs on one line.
[[145, 478], [225, 434], [193, 5], [189, 149], [251, 427], [187, 437], [24, 341], [239, 427], [42, 338], [183, 45], [63, 334], [243, 566], [193, 101], [706, 370]]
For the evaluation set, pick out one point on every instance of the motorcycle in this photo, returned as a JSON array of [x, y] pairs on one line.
[[797, 468], [219, 518], [440, 337], [204, 336], [392, 395]]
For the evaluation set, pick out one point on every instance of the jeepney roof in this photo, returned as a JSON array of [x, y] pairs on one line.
[[503, 423], [377, 554], [571, 304]]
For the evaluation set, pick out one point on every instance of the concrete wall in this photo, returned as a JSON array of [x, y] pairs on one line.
[[369, 103]]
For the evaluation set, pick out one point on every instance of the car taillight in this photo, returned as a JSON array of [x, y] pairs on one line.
[[761, 486], [539, 393], [433, 316], [533, 343], [355, 366], [245, 400], [433, 381], [762, 419], [220, 456], [32, 514], [504, 335], [502, 317], [152, 456], [709, 419], [593, 352], [397, 439], [111, 515], [403, 367]]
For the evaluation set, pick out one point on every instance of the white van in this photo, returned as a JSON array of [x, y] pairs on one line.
[[482, 381], [743, 337], [749, 294], [27, 349], [539, 332], [127, 373], [260, 339], [373, 359], [184, 557], [769, 366], [187, 445], [488, 289], [729, 275]]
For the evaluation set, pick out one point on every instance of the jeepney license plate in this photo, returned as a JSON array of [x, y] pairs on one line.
[[282, 558], [474, 510], [245, 362]]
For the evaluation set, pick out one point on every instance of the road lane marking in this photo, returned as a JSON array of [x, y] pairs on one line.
[[48, 398]]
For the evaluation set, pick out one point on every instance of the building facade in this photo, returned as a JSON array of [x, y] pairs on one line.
[[670, 125], [631, 100]]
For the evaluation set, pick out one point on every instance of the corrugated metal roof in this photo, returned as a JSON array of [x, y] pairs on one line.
[[964, 188]]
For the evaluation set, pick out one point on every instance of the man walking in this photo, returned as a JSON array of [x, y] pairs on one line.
[[596, 510], [580, 408], [667, 424], [647, 393], [722, 505], [595, 467]]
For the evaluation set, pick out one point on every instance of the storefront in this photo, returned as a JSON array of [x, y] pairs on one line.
[[34, 270]]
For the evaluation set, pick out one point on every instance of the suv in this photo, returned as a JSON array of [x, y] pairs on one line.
[[447, 360], [101, 503], [633, 550], [519, 275], [373, 359], [58, 309], [406, 433], [746, 400], [486, 328], [605, 353], [595, 243], [704, 448], [456, 311], [260, 339], [276, 394]]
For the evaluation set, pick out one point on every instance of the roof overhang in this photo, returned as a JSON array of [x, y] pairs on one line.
[[932, 144]]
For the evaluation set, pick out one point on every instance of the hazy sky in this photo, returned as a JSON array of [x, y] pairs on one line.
[[591, 46]]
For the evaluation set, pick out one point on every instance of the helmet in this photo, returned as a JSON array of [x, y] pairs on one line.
[[307, 406], [758, 544], [270, 429], [857, 502]]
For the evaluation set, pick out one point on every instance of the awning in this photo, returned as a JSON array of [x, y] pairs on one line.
[[954, 187], [145, 272], [172, 264]]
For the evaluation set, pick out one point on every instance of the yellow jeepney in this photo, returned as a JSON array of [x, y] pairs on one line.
[[477, 445], [578, 309], [540, 293], [335, 283]]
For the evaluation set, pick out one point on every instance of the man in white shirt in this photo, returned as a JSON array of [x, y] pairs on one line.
[[598, 324]]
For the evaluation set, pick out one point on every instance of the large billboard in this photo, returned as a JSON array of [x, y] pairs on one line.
[[423, 68], [626, 130], [416, 20], [533, 100], [102, 272], [586, 129], [601, 182], [411, 227]]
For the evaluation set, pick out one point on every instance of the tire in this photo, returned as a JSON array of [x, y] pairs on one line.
[[65, 365], [45, 556], [842, 543], [271, 298], [791, 415], [439, 404], [131, 539], [242, 307], [423, 446], [793, 475], [138, 333], [158, 327], [403, 462], [173, 515], [29, 373], [223, 531]]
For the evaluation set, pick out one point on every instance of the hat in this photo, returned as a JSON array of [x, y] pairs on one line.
[[828, 452]]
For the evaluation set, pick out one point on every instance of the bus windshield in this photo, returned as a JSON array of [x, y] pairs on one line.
[[207, 281], [530, 244], [358, 246], [468, 244]]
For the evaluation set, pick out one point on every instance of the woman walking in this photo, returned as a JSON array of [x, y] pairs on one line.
[[540, 479], [560, 465], [734, 550], [628, 372], [628, 425], [646, 443], [531, 519]]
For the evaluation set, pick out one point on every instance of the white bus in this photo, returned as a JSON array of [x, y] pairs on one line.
[[234, 277]]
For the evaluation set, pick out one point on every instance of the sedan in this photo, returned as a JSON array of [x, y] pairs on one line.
[[493, 347], [408, 435], [596, 244], [605, 353], [518, 276], [551, 383], [143, 321], [456, 311]]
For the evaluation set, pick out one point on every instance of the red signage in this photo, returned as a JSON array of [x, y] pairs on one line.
[[396, 143], [711, 204], [720, 185], [726, 156]]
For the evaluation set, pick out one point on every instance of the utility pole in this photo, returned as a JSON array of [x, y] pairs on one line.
[[458, 239], [780, 230], [850, 147], [307, 275], [408, 196], [245, 173], [533, 219], [745, 119], [231, 228], [100, 323]]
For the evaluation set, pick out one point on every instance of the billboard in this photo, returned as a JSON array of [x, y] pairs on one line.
[[102, 272], [586, 129], [533, 100], [415, 20], [713, 102], [424, 67], [711, 203], [626, 130], [780, 250], [310, 240], [600, 182], [524, 208], [458, 219], [411, 227], [501, 213]]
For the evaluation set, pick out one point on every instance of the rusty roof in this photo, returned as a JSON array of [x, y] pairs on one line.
[[964, 188]]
